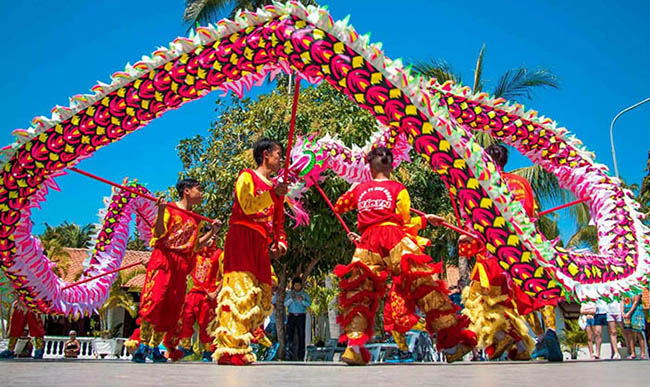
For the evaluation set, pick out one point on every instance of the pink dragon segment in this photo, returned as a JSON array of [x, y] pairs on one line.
[[109, 247], [437, 120]]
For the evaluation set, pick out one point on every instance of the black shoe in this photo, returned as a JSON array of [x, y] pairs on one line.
[[552, 345]]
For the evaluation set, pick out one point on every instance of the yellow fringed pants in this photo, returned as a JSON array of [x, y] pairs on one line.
[[496, 322], [243, 304]]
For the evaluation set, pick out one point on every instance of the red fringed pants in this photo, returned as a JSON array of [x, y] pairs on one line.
[[385, 250]]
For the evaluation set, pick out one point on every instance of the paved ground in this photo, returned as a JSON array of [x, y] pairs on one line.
[[120, 373]]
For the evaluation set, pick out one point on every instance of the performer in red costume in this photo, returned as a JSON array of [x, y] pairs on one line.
[[201, 301], [494, 305], [384, 248], [20, 317], [256, 235], [175, 241]]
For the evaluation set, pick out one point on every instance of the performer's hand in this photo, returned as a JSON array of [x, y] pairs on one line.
[[282, 248], [275, 252], [282, 189], [464, 238], [216, 225], [212, 295], [354, 237], [161, 203], [435, 219]]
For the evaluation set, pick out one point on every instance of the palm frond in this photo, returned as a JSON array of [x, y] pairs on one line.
[[580, 212], [586, 236], [478, 71], [519, 83], [644, 190], [204, 11], [439, 69], [484, 139], [548, 226]]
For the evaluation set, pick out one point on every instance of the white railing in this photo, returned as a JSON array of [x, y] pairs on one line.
[[91, 348]]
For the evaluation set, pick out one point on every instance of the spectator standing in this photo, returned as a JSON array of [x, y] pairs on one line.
[[596, 317], [614, 320], [633, 325], [297, 303]]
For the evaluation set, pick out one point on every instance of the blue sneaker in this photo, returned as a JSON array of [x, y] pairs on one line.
[[552, 345], [158, 357], [38, 354], [540, 349], [140, 355], [207, 357], [186, 351], [7, 354]]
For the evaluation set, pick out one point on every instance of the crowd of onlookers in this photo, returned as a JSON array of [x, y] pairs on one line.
[[628, 316]]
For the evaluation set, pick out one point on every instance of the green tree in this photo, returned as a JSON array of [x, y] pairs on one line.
[[136, 243], [644, 190], [69, 234]]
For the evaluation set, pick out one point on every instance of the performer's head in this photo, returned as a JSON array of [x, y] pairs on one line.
[[268, 153], [190, 190], [73, 334], [380, 160], [296, 284], [499, 154]]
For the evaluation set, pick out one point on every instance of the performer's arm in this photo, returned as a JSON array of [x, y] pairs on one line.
[[346, 202], [279, 234], [249, 200], [160, 227], [205, 238], [403, 209]]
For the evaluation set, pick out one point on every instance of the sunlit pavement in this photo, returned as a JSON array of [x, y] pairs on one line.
[[121, 373]]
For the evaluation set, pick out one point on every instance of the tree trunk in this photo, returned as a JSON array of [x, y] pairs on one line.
[[280, 311], [464, 269], [334, 329], [2, 320]]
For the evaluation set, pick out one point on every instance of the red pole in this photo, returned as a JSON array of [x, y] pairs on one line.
[[569, 204], [101, 275], [445, 224], [292, 127], [188, 212]]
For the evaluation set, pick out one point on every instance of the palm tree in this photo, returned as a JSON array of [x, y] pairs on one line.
[[135, 243], [69, 234], [644, 191], [119, 298], [56, 253], [206, 11]]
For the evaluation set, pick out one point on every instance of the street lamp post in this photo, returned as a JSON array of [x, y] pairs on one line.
[[611, 130]]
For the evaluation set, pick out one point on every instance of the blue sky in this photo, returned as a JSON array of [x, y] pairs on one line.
[[53, 50]]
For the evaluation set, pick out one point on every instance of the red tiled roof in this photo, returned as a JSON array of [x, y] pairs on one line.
[[77, 257]]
